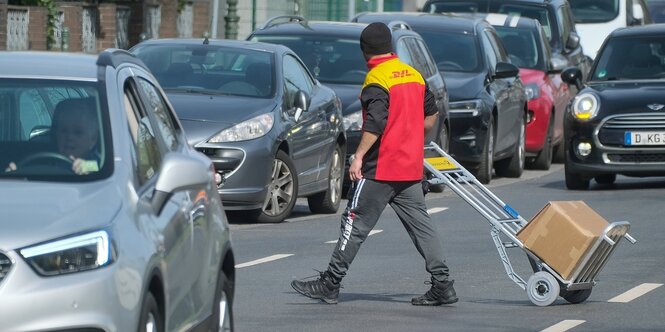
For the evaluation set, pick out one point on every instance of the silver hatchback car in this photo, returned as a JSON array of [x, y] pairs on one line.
[[110, 220]]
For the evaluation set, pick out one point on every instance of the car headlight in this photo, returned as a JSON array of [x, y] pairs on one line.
[[468, 107], [353, 121], [532, 91], [250, 129], [73, 254], [585, 106]]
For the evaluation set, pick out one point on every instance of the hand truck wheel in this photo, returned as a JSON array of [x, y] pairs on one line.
[[542, 288], [575, 296]]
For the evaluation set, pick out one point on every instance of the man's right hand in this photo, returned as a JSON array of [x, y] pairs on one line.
[[354, 169]]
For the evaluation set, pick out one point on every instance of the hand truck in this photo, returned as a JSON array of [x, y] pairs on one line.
[[545, 284]]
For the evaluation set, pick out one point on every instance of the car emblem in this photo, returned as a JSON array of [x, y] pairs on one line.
[[656, 107]]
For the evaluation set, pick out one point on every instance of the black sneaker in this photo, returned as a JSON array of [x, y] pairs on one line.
[[440, 293], [323, 288]]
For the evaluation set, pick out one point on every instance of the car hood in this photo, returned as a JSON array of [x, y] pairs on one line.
[[463, 86], [205, 115], [34, 212], [628, 96], [350, 96], [532, 76]]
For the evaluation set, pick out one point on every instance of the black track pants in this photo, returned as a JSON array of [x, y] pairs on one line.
[[368, 200]]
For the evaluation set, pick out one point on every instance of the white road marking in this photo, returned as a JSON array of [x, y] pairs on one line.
[[563, 325], [372, 232], [263, 260], [634, 293], [436, 209]]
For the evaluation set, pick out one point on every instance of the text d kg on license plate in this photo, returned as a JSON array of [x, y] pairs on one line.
[[644, 138]]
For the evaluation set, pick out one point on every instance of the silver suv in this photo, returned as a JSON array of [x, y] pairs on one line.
[[111, 221]]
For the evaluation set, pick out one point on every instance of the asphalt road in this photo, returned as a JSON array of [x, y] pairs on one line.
[[388, 271]]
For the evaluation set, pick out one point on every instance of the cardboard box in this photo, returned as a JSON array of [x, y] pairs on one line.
[[562, 233]]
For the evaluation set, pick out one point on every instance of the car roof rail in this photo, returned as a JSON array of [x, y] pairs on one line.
[[114, 57], [397, 25], [291, 18]]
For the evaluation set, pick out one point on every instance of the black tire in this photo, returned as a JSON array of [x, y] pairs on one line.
[[544, 159], [575, 181], [223, 297], [607, 179], [282, 190], [328, 201], [576, 296], [484, 170], [151, 319], [513, 167], [559, 155]]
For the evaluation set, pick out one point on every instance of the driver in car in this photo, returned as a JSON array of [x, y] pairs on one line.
[[76, 132]]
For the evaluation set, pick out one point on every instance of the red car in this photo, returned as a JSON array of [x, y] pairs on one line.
[[526, 43]]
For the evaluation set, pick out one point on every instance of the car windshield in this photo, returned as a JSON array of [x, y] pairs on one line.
[[48, 125], [594, 11], [522, 47], [330, 60], [209, 69], [657, 10], [453, 52], [632, 58], [533, 12], [457, 7]]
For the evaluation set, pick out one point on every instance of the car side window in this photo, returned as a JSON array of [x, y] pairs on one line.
[[165, 122], [295, 79], [427, 57], [419, 61], [403, 52], [489, 51], [33, 112], [564, 26], [497, 45], [146, 154]]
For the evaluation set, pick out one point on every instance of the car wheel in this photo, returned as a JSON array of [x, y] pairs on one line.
[[328, 201], [484, 171], [575, 181], [514, 166], [444, 143], [222, 310], [151, 319], [606, 178], [282, 190], [559, 154], [544, 159]]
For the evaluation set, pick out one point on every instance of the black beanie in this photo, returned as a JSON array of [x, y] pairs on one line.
[[376, 39]]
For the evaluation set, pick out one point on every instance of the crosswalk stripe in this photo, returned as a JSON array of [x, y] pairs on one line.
[[564, 325], [634, 293], [436, 209], [263, 260]]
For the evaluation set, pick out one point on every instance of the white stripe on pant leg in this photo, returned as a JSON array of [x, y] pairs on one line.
[[350, 215]]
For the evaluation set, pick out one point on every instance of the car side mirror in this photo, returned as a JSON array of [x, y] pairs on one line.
[[300, 103], [505, 69], [572, 76], [557, 64], [178, 172], [638, 15], [573, 41]]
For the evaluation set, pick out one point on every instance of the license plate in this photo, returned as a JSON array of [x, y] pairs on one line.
[[644, 138], [441, 163]]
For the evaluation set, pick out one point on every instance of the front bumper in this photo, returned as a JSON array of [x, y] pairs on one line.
[[609, 153], [246, 167], [468, 135], [91, 300]]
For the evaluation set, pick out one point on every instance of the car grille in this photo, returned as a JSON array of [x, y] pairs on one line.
[[613, 130], [5, 266], [636, 158]]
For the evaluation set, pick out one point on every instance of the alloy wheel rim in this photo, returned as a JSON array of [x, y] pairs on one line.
[[335, 177], [280, 192], [521, 149], [490, 153], [224, 314], [151, 323]]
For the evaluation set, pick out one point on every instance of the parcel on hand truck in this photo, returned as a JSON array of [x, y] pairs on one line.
[[567, 243]]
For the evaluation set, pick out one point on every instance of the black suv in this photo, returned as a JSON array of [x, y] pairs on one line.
[[555, 16], [331, 51], [487, 98]]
